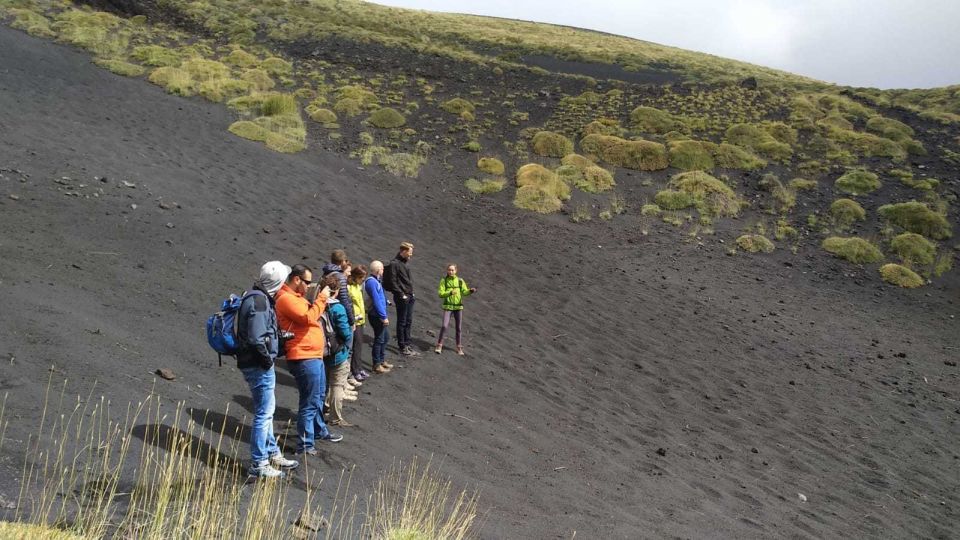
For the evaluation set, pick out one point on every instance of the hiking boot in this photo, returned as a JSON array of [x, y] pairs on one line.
[[308, 452], [387, 365], [281, 462], [265, 470], [439, 348], [408, 351], [331, 437], [460, 351], [363, 375], [354, 383], [381, 369], [349, 397]]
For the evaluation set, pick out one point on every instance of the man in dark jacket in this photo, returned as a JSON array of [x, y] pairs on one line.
[[337, 266], [259, 340], [397, 280]]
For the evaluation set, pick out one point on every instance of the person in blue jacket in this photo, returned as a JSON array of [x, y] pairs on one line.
[[338, 366], [377, 316], [259, 340]]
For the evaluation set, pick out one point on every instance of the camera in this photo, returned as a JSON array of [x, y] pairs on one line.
[[285, 336]]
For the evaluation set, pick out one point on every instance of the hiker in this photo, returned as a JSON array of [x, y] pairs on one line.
[[397, 280], [337, 266], [452, 289], [355, 289], [377, 315], [259, 341], [337, 360], [305, 355]]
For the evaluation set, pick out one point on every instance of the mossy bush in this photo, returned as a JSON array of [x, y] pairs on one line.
[[595, 180], [889, 128], [220, 89], [485, 186], [551, 144], [652, 120], [155, 55], [259, 79], [759, 140], [120, 67], [846, 212], [781, 132], [30, 21], [277, 67], [534, 174], [241, 58], [650, 210], [691, 155], [173, 80], [537, 199], [366, 99], [458, 106], [472, 146], [387, 118], [914, 250], [569, 174], [907, 179], [490, 165], [576, 160], [348, 106], [802, 184], [755, 243], [638, 154], [867, 144], [321, 115], [276, 104], [202, 70], [669, 199], [900, 276], [710, 196], [853, 249], [916, 217], [603, 126], [248, 130], [402, 164], [729, 156], [858, 182]]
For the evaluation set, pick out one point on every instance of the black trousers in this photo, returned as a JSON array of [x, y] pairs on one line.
[[404, 319]]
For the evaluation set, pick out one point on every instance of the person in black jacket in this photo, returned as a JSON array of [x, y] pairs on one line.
[[259, 340], [397, 280]]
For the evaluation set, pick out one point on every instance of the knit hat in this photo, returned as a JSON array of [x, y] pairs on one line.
[[272, 276]]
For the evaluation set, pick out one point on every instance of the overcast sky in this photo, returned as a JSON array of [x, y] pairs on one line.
[[880, 43]]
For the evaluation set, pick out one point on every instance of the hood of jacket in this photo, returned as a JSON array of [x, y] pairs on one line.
[[330, 268]]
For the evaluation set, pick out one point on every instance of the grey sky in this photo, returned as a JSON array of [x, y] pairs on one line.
[[881, 43]]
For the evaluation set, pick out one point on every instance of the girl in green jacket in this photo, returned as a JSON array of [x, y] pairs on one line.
[[452, 289]]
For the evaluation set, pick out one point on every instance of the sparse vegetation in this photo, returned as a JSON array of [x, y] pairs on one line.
[[485, 186], [490, 165], [801, 184], [846, 212], [855, 250], [755, 243]]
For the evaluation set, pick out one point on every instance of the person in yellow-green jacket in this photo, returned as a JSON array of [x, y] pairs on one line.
[[452, 290]]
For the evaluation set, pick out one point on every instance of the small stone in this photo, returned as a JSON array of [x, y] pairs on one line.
[[165, 206], [754, 450], [802, 497], [14, 197], [951, 363], [129, 184], [133, 206], [166, 374], [170, 225], [661, 452]]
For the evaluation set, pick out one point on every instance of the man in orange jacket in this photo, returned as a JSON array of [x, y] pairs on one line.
[[304, 353]]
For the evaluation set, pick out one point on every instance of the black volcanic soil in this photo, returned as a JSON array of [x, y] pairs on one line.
[[617, 385]]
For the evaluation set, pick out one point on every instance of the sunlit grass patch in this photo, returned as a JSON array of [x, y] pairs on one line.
[[386, 118], [490, 165], [858, 182], [689, 155], [31, 22], [173, 80], [710, 196], [914, 250], [916, 217], [485, 186], [652, 120], [846, 212], [155, 55], [755, 243], [638, 154], [259, 79], [548, 143], [900, 276], [855, 250], [120, 67], [759, 140]]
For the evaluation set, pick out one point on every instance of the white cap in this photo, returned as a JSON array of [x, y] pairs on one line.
[[272, 276]]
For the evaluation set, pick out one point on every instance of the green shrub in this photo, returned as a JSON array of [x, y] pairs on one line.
[[276, 104], [280, 143], [917, 218], [889, 128], [534, 174], [173, 80], [867, 144], [858, 182], [595, 180], [581, 213], [669, 199], [457, 106], [651, 120], [241, 58], [801, 184], [278, 67], [855, 250], [537, 199], [569, 174], [487, 186], [387, 118], [846, 212], [728, 156], [30, 21], [155, 55], [907, 179], [577, 161], [603, 126], [204, 70], [690, 155], [640, 155], [760, 141], [259, 79], [490, 165], [321, 115], [650, 210], [548, 143], [914, 250], [120, 67], [402, 164], [471, 146], [710, 196], [365, 98], [781, 132], [755, 243], [248, 130], [348, 106], [900, 276], [219, 89]]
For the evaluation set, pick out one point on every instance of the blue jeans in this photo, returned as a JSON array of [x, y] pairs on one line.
[[312, 382], [381, 334], [404, 319], [263, 443]]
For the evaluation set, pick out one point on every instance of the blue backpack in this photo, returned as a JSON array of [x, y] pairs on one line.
[[222, 327]]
